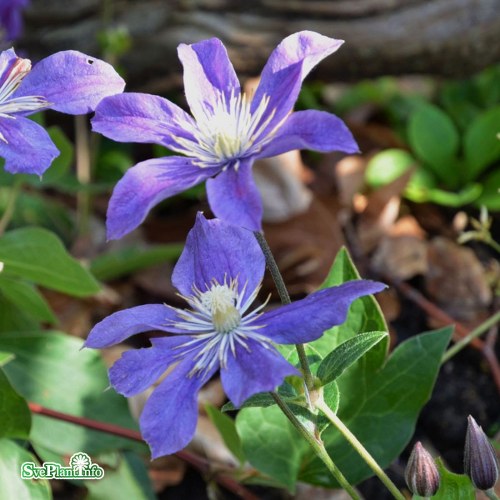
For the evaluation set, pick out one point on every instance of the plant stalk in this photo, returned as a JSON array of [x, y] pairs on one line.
[[285, 299], [491, 494], [317, 446], [358, 446], [11, 204], [463, 342]]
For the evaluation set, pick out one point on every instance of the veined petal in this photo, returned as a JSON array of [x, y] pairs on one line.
[[123, 324], [215, 250], [258, 369], [313, 130], [288, 65], [168, 421], [26, 146], [139, 369], [145, 185], [305, 320], [135, 117], [72, 82], [208, 73], [234, 197]]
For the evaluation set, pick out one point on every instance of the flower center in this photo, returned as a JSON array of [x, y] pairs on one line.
[[12, 78], [227, 131], [220, 301]]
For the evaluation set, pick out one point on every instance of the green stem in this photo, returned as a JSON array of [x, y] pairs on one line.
[[317, 446], [491, 494], [11, 204], [285, 299], [363, 452], [83, 173], [458, 346]]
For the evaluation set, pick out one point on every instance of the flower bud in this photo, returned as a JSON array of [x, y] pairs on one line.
[[480, 461], [421, 474]]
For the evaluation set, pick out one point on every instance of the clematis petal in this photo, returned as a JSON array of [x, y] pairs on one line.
[[214, 250], [288, 65], [26, 146], [72, 82], [135, 117], [315, 130], [306, 320], [139, 369], [258, 369], [234, 197], [208, 73], [123, 324], [145, 185], [168, 421]]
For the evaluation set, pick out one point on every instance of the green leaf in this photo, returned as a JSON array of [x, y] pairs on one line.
[[387, 166], [13, 319], [118, 263], [12, 456], [490, 197], [435, 140], [379, 397], [5, 357], [27, 298], [227, 429], [39, 256], [14, 412], [346, 354], [481, 143], [33, 209], [383, 411], [453, 486], [263, 399], [271, 443], [51, 370]]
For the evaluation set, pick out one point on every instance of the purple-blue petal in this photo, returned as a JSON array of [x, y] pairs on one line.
[[139, 369], [26, 146], [135, 117], [286, 68], [168, 421], [145, 185], [305, 320], [208, 74], [72, 82], [313, 130], [216, 250], [258, 369], [123, 324], [234, 197]]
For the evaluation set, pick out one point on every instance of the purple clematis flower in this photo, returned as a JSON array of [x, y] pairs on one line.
[[219, 275], [11, 20], [68, 81], [227, 131]]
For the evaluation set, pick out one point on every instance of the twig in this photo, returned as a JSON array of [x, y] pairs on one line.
[[194, 460], [460, 330]]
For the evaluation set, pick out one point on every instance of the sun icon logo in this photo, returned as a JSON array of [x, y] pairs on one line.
[[79, 462]]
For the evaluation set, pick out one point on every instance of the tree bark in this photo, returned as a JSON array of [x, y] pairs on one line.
[[439, 37]]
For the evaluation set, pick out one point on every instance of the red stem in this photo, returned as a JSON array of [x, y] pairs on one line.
[[197, 462]]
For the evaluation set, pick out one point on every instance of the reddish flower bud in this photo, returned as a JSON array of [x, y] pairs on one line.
[[422, 476], [480, 462]]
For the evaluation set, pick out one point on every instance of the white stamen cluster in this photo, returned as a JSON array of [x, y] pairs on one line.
[[15, 76], [216, 324], [228, 131]]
